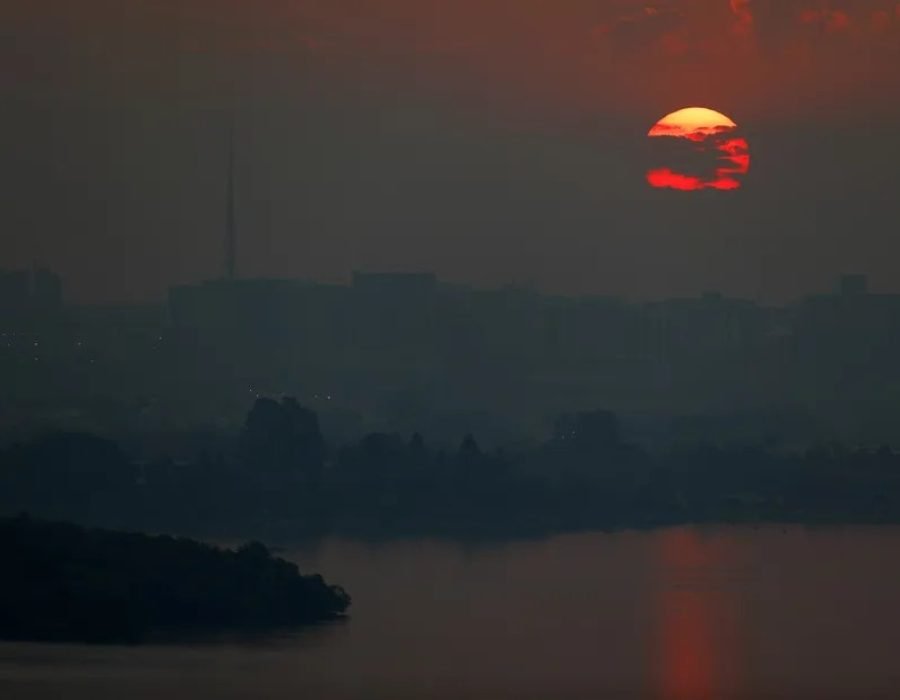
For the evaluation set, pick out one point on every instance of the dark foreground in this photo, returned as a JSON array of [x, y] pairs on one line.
[[65, 583]]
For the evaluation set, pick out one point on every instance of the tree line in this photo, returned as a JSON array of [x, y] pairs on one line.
[[284, 479]]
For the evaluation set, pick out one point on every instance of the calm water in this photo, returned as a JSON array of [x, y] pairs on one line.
[[679, 614]]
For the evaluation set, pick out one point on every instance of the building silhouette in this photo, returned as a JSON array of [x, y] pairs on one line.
[[407, 351]]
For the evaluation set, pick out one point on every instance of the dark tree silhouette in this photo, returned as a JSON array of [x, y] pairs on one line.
[[282, 440], [62, 582], [469, 449], [66, 473], [417, 448]]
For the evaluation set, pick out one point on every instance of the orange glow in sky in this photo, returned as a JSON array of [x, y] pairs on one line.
[[719, 158]]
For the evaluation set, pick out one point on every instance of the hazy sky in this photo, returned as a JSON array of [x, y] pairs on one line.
[[491, 141]]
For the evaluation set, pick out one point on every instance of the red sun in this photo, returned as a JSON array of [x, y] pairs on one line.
[[698, 149]]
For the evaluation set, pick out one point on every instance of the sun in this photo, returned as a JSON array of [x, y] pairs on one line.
[[697, 148], [692, 121]]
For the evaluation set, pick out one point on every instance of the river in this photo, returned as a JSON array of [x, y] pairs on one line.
[[678, 614]]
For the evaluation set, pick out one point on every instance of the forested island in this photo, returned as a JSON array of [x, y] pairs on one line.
[[62, 582], [281, 480]]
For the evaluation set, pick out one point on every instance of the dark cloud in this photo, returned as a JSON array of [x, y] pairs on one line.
[[576, 55]]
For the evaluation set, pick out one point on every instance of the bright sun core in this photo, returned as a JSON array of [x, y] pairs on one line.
[[691, 120]]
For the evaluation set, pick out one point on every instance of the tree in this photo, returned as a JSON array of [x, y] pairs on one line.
[[282, 440], [418, 453], [469, 449]]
